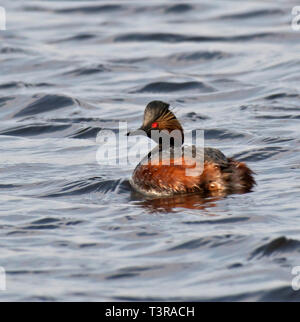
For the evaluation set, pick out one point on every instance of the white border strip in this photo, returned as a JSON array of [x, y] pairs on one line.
[[2, 279], [296, 19], [2, 18]]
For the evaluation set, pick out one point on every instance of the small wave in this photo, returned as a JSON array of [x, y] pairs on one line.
[[79, 187], [177, 38], [179, 59], [78, 37], [36, 8], [34, 130], [163, 37], [86, 186], [278, 245], [179, 8], [131, 272], [165, 87], [121, 275], [286, 107], [253, 14], [284, 293], [283, 68], [196, 116], [199, 56], [86, 133], [46, 223], [235, 265], [281, 95], [277, 117], [83, 120], [211, 241], [11, 50], [23, 85], [276, 139], [96, 9], [218, 221], [46, 103], [5, 99], [83, 71], [222, 134], [9, 186], [259, 153]]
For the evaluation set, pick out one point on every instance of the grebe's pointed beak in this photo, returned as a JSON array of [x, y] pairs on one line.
[[140, 131]]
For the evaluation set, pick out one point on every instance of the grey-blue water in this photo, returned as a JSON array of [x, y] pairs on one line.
[[72, 229]]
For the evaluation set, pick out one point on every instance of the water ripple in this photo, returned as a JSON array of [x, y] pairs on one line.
[[166, 87], [44, 104], [276, 246]]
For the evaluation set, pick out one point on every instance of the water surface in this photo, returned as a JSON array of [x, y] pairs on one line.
[[73, 229]]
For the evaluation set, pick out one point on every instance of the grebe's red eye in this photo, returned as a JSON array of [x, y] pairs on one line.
[[154, 125]]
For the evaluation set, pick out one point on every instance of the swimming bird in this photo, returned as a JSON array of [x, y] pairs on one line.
[[165, 170]]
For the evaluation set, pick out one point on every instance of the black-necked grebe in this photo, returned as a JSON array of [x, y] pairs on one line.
[[219, 174]]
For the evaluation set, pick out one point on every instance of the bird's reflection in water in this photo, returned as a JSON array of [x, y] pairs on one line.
[[169, 204]]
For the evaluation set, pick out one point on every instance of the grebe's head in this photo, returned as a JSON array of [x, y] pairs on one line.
[[158, 116]]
